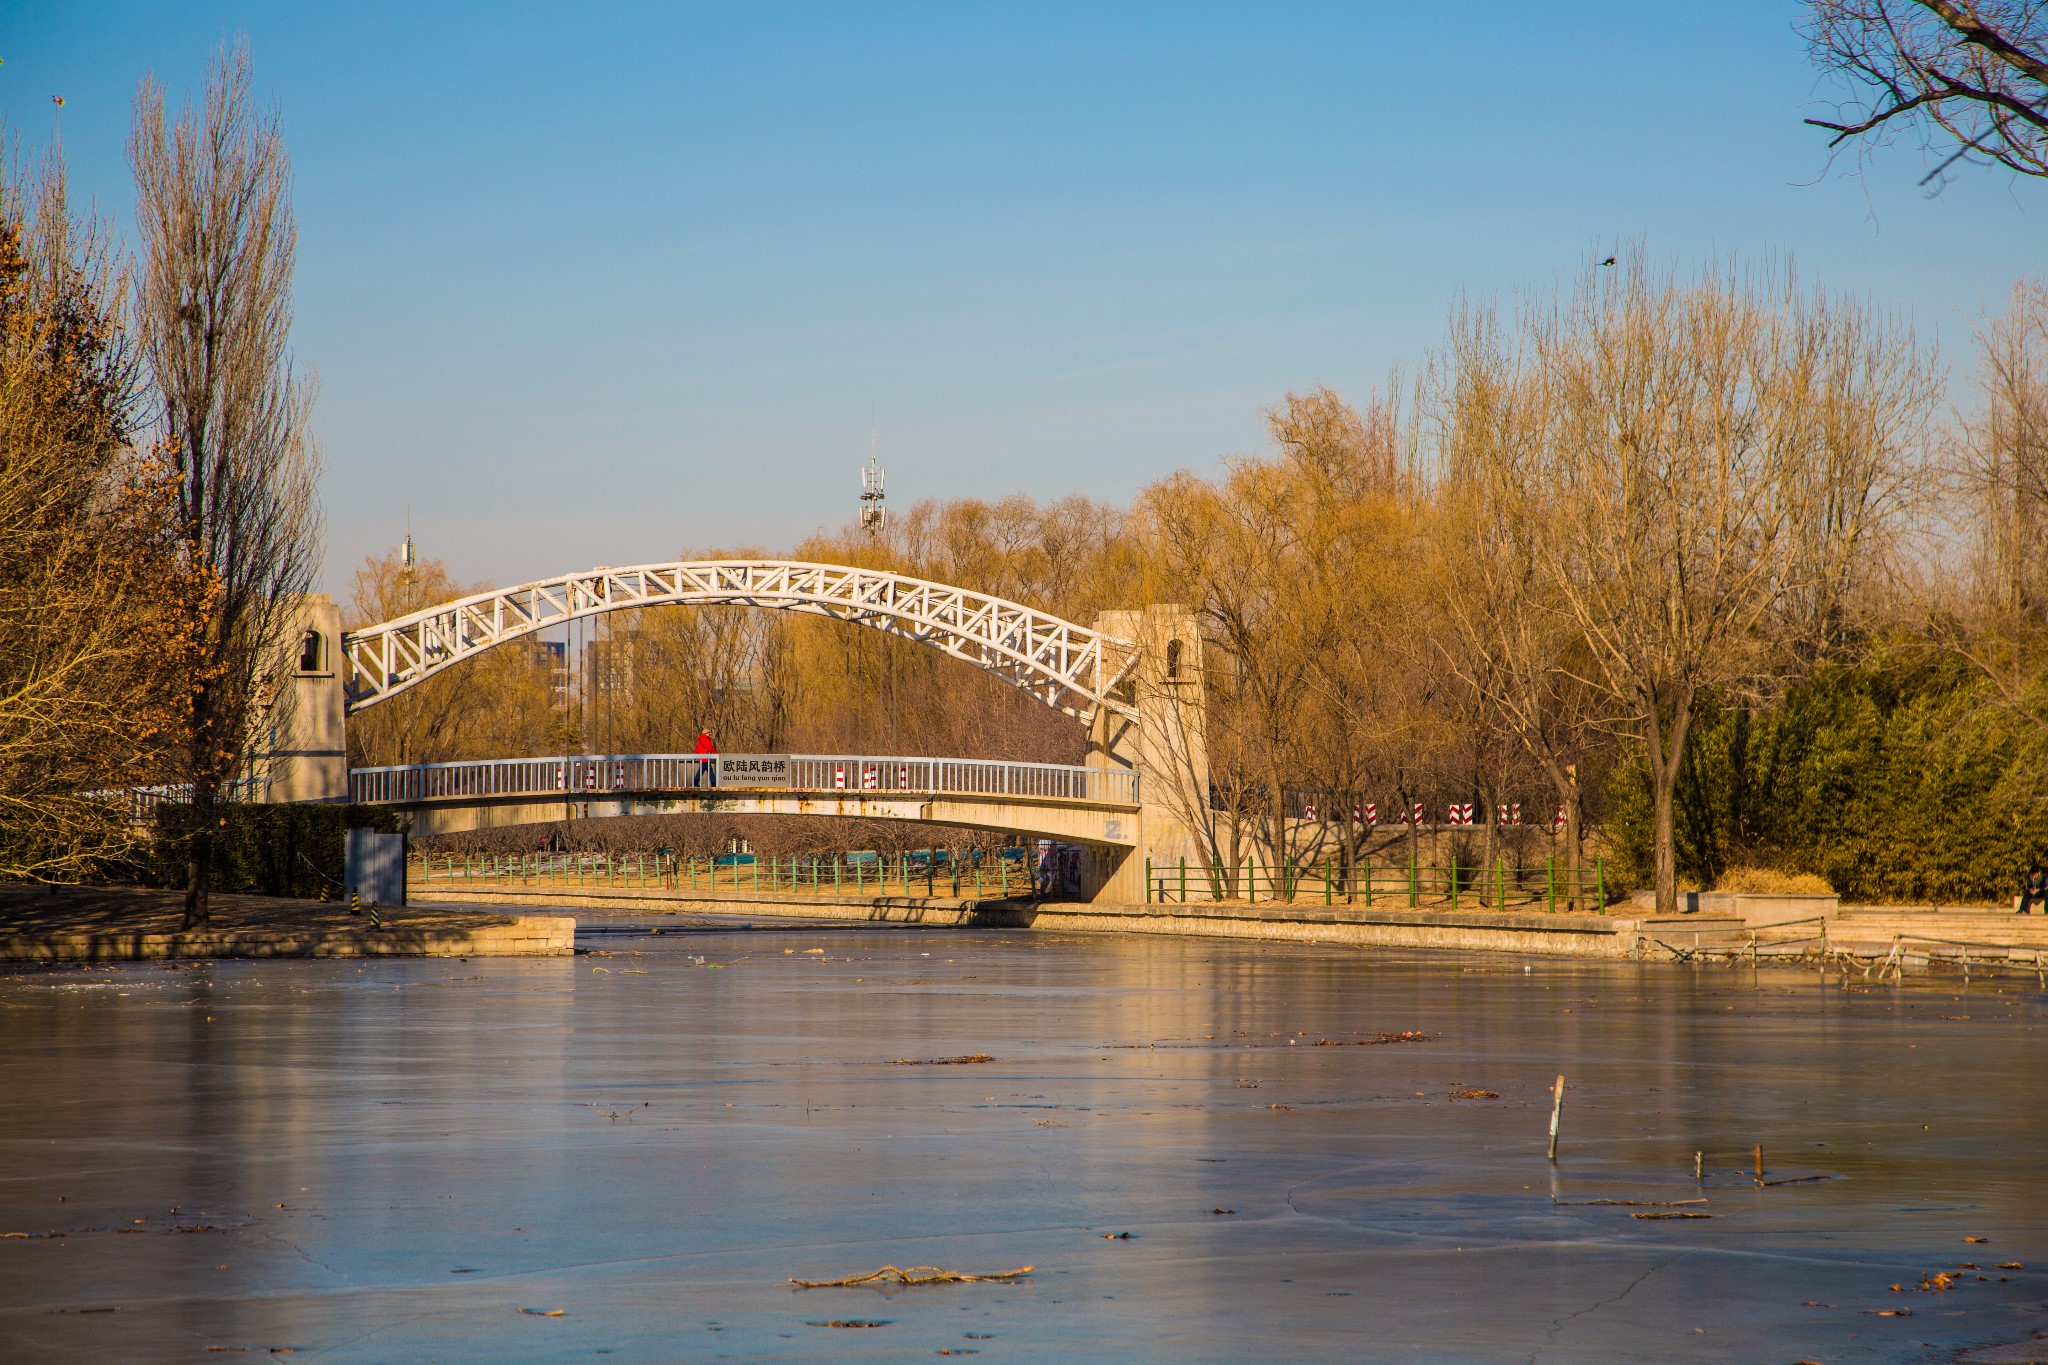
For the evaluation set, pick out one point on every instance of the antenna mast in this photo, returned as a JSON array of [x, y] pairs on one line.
[[874, 516]]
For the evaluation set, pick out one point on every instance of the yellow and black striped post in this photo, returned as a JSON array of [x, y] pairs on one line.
[[355, 901]]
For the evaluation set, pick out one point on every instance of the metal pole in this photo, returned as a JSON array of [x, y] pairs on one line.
[[1600, 873], [1148, 880], [1183, 880]]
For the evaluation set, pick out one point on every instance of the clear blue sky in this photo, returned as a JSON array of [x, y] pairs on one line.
[[596, 284]]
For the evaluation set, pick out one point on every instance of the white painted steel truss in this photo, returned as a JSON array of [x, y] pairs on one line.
[[1068, 667]]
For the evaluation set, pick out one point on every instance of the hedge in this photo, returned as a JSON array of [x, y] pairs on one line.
[[281, 850]]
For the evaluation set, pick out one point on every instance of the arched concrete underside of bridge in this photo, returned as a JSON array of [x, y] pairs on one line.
[[1110, 834]]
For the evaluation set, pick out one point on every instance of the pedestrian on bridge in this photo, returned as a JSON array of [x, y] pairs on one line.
[[707, 769]]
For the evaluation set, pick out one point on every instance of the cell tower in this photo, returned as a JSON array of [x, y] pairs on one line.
[[874, 517]]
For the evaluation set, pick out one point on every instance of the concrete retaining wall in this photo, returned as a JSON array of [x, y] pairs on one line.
[[939, 910], [520, 936], [1552, 935], [1562, 935]]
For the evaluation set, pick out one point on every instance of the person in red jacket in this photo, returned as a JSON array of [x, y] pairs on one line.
[[707, 771]]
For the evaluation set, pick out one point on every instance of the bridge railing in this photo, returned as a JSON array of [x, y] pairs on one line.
[[596, 775]]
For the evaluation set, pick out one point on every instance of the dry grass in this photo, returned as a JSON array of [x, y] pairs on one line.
[[1768, 881]]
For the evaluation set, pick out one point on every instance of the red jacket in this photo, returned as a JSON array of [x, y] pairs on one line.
[[704, 745]]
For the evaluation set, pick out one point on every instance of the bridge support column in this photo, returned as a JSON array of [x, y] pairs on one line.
[[302, 747], [1166, 745]]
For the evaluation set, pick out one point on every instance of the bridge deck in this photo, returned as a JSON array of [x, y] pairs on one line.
[[587, 776]]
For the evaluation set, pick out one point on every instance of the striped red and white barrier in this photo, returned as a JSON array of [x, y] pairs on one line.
[[1461, 814], [839, 777]]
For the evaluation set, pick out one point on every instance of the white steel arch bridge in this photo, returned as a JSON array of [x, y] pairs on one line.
[[1134, 679], [1068, 667]]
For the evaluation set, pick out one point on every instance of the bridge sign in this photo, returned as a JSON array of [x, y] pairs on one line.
[[754, 770]]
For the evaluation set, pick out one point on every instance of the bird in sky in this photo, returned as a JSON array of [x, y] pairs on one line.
[[1608, 261]]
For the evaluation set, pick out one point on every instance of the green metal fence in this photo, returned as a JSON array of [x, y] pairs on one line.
[[906, 874], [1408, 884]]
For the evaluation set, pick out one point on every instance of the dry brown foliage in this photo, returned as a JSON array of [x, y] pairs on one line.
[[88, 580]]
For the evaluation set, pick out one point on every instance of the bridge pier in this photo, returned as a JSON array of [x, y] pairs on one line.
[[1166, 744]]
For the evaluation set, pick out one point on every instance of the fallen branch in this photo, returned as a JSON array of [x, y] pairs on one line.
[[968, 1060], [1685, 1214], [1651, 1203], [1377, 1040], [917, 1274]]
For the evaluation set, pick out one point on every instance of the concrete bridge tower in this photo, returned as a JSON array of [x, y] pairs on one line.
[[1166, 744], [302, 746]]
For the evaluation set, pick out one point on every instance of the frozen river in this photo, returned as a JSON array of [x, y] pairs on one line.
[[630, 1153]]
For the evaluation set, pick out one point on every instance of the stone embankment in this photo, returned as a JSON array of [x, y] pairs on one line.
[[129, 925], [1709, 928]]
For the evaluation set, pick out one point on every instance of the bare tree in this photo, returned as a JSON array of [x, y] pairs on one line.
[[1997, 621], [1508, 634], [213, 311], [1972, 73], [1673, 440]]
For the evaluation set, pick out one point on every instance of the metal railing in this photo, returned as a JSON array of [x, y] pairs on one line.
[[931, 873], [589, 776], [1409, 885], [142, 802]]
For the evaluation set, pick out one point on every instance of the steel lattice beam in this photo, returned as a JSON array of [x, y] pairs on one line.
[[1068, 667]]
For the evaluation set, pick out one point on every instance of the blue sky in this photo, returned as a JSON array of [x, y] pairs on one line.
[[597, 284]]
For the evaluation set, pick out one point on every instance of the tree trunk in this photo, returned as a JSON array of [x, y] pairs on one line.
[[1664, 777], [199, 861], [1666, 751]]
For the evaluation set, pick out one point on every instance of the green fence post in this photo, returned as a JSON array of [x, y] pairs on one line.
[[1368, 881], [1500, 882], [1454, 879], [1414, 882], [1148, 881], [1183, 879], [1600, 872], [1550, 881], [1329, 871]]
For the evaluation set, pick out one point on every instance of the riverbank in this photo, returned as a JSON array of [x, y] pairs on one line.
[[135, 924], [1773, 929]]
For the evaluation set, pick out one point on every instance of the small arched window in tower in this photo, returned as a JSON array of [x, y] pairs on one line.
[[311, 650], [1172, 660]]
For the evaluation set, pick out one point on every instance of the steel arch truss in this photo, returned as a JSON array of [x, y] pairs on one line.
[[1068, 667]]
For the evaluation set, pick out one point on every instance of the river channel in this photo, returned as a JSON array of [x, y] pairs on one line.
[[1317, 1154]]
